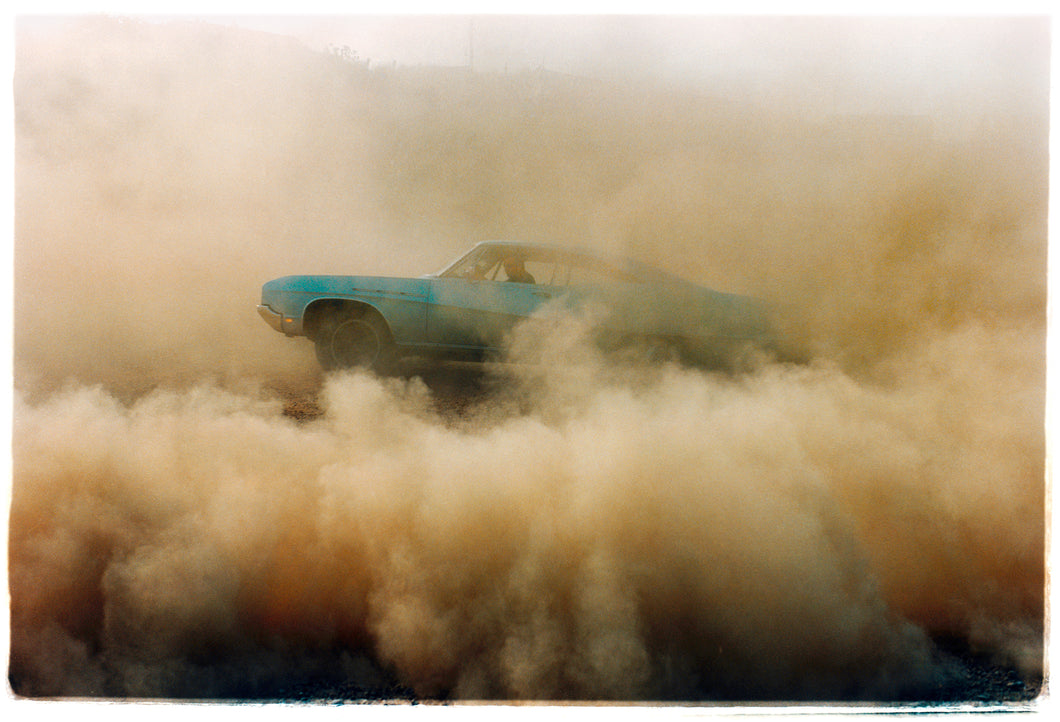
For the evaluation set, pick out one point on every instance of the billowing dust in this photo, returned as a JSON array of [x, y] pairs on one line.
[[587, 529]]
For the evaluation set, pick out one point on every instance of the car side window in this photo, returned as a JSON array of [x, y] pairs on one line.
[[546, 268], [488, 265], [543, 271]]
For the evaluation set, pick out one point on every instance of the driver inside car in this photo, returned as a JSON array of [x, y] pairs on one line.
[[515, 269]]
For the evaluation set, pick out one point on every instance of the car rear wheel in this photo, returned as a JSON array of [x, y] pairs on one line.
[[352, 341]]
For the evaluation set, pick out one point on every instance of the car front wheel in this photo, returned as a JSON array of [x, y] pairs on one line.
[[350, 341]]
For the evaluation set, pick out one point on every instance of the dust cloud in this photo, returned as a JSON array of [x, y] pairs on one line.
[[591, 529]]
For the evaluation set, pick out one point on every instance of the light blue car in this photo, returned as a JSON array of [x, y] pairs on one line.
[[467, 310]]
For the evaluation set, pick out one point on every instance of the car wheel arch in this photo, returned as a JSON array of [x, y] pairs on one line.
[[322, 310], [333, 325]]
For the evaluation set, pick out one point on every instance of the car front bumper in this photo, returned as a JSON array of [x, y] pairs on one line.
[[287, 325], [271, 317]]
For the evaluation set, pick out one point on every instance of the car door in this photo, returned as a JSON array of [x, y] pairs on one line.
[[469, 313]]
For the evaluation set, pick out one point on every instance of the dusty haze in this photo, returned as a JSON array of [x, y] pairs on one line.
[[595, 531]]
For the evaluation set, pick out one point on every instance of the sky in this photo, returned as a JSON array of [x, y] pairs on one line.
[[855, 63]]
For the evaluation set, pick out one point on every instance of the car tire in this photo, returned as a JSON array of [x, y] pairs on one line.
[[355, 341], [646, 348]]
